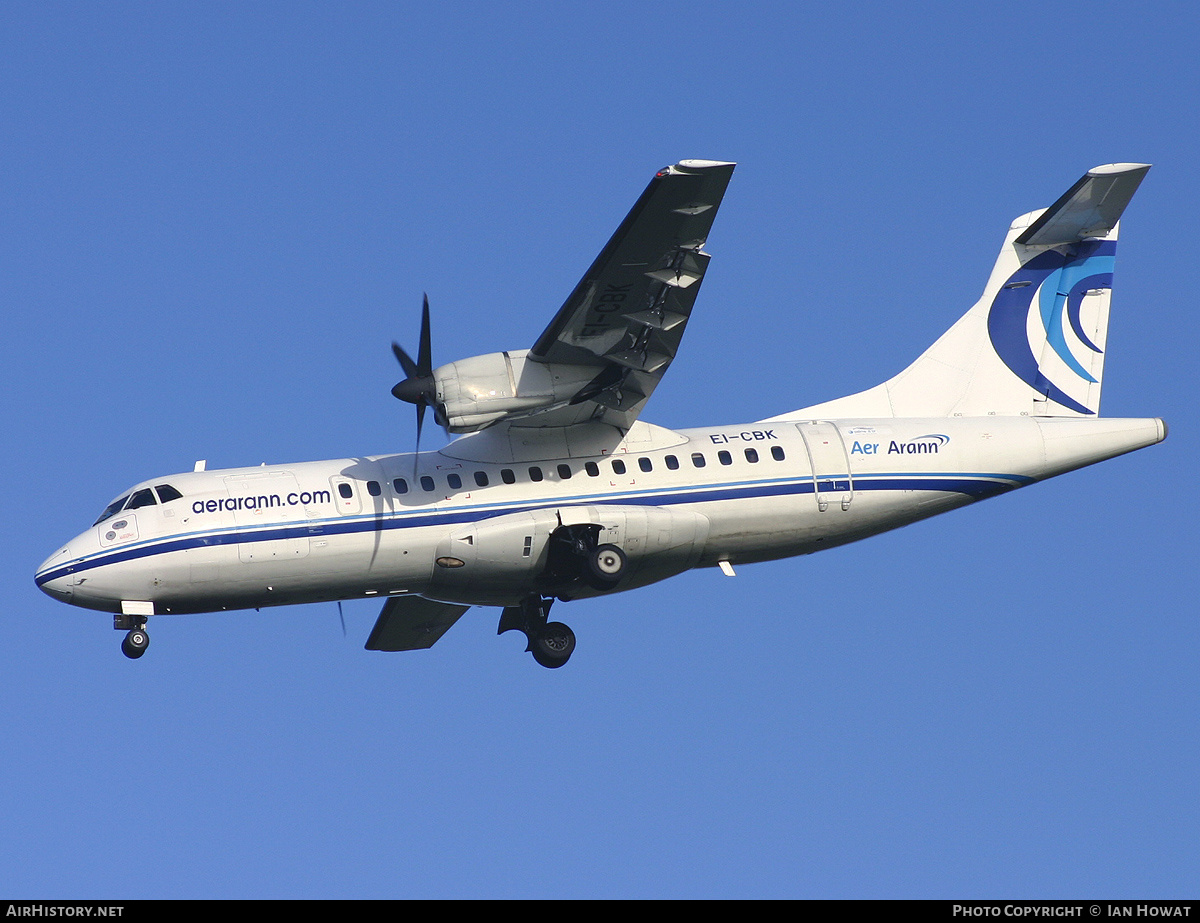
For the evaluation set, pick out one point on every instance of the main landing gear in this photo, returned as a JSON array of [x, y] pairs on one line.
[[575, 560], [551, 643], [137, 640]]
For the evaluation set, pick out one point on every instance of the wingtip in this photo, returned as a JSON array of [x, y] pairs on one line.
[[700, 166], [1110, 169]]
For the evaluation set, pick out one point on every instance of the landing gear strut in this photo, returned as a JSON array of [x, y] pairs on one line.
[[551, 643], [137, 640]]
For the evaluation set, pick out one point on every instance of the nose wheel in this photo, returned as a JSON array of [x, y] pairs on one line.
[[135, 643]]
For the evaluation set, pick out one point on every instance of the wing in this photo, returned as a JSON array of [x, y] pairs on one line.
[[626, 317], [410, 623]]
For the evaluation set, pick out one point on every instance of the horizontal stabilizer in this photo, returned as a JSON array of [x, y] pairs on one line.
[[1090, 208], [411, 623]]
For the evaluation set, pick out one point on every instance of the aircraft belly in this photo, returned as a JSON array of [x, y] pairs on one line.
[[895, 472], [214, 574], [343, 565], [745, 532]]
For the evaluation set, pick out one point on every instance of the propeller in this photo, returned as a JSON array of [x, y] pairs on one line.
[[418, 386]]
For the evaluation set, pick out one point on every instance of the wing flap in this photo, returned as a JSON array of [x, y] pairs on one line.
[[411, 623]]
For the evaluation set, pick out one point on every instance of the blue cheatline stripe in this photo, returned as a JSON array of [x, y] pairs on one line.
[[977, 485]]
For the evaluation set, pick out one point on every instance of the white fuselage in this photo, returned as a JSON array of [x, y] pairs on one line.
[[376, 527]]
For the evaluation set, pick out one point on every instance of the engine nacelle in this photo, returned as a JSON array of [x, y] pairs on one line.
[[502, 560], [475, 392]]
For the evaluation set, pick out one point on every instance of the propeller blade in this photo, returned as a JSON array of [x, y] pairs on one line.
[[424, 350], [417, 449], [405, 360]]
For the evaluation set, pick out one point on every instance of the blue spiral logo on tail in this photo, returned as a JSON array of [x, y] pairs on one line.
[[1060, 281]]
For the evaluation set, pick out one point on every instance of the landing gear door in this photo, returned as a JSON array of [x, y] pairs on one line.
[[833, 481]]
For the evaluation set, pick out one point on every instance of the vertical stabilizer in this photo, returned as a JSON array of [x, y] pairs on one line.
[[1034, 343]]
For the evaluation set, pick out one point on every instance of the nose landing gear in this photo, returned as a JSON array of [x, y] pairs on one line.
[[136, 642]]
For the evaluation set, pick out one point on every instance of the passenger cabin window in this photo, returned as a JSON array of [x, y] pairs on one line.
[[481, 478], [507, 476], [167, 493], [592, 469], [454, 481], [724, 458], [345, 490], [426, 482], [698, 460], [400, 486], [535, 474], [374, 489], [777, 452], [618, 466], [672, 462], [564, 472], [752, 455], [143, 497], [645, 464]]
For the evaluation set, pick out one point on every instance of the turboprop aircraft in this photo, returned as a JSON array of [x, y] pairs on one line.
[[555, 489]]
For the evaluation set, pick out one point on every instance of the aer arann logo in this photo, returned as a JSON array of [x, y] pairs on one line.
[[921, 445], [929, 444]]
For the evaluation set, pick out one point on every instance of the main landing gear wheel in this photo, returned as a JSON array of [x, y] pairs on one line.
[[605, 566], [135, 643], [553, 645]]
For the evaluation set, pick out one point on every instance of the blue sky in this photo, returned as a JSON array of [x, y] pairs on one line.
[[215, 218]]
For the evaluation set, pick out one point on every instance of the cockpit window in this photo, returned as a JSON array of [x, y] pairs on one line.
[[143, 497], [167, 493], [111, 509]]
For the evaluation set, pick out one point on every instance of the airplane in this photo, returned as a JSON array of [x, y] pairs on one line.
[[555, 489]]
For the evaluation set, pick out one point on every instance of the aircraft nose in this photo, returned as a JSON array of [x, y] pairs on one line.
[[52, 577]]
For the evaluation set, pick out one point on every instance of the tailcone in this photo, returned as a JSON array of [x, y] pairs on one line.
[[1072, 443]]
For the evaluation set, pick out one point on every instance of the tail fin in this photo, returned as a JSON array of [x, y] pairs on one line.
[[1034, 343]]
